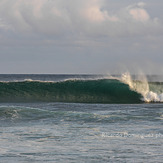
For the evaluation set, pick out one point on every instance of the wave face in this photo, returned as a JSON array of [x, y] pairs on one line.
[[79, 91]]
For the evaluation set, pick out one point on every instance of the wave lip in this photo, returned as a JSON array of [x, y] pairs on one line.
[[150, 91], [79, 91]]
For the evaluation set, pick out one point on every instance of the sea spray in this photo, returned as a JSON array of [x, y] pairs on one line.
[[142, 86]]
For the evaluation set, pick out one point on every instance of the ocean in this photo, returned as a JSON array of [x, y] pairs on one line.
[[81, 118]]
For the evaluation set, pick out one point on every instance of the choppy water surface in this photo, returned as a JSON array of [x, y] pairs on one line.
[[69, 132]]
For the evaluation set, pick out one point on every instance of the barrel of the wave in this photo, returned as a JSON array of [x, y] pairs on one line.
[[76, 91]]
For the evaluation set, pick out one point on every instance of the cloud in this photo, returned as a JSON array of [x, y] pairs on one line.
[[139, 14], [76, 18]]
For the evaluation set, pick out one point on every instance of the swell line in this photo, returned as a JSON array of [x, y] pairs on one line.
[[82, 91]]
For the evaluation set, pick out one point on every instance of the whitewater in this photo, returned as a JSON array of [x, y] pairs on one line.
[[81, 118], [151, 91]]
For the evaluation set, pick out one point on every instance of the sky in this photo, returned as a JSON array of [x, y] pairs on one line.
[[81, 36]]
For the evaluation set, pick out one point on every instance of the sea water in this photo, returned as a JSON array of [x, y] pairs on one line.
[[51, 131]]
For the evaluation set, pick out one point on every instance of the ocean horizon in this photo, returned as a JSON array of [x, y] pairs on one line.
[[81, 81]]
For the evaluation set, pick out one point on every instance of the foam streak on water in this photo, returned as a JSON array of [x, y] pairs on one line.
[[69, 132]]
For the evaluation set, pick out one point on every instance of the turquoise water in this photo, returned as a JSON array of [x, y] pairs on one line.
[[83, 91], [40, 131]]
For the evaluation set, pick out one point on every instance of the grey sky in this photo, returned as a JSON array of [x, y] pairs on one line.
[[81, 36]]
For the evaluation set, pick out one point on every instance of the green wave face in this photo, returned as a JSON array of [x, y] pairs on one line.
[[79, 91]]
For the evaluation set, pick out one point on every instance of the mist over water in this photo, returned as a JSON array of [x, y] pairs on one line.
[[152, 91]]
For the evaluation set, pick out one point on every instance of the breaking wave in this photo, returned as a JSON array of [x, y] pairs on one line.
[[150, 91], [111, 90], [83, 91]]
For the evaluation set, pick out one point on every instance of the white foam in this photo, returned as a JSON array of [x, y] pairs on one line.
[[142, 87], [153, 97]]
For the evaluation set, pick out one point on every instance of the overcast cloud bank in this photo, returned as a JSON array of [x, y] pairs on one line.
[[81, 17], [83, 30]]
